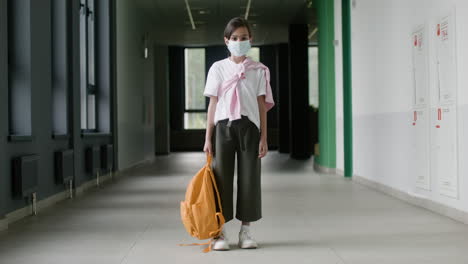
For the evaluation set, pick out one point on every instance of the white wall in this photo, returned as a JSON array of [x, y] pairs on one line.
[[383, 87], [135, 85]]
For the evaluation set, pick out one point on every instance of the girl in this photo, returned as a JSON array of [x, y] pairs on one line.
[[240, 96]]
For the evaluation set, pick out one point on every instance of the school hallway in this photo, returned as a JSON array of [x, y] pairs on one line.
[[307, 218], [107, 107]]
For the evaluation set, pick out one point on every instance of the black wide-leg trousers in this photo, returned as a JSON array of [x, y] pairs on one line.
[[239, 137]]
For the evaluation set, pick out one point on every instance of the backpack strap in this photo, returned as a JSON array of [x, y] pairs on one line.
[[220, 220], [208, 165], [219, 215], [207, 249]]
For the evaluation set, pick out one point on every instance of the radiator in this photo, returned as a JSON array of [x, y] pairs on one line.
[[24, 174], [107, 157], [93, 160], [64, 166]]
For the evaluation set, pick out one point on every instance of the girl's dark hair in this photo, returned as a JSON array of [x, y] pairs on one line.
[[234, 24]]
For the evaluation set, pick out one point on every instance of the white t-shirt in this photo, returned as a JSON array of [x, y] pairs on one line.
[[249, 89]]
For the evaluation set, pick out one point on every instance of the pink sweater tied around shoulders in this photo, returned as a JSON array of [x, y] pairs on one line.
[[233, 105]]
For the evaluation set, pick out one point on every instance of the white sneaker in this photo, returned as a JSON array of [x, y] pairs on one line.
[[221, 242], [245, 238]]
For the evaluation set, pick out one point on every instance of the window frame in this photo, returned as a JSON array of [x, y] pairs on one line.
[[17, 130], [67, 89], [185, 110], [88, 67]]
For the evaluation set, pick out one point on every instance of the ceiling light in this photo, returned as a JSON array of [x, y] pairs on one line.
[[190, 14], [313, 33], [247, 9]]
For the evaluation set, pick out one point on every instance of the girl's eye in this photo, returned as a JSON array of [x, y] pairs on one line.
[[236, 38]]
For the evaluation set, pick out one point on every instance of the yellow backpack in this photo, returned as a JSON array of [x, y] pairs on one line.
[[198, 211]]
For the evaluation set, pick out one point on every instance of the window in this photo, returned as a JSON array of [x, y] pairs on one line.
[[60, 69], [313, 77], [195, 102], [87, 66], [19, 67], [254, 53]]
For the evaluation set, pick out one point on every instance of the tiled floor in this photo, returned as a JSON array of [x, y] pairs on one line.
[[307, 218]]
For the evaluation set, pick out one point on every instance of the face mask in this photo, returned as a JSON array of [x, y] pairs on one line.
[[239, 48]]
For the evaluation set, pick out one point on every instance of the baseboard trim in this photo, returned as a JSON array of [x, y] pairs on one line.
[[321, 169], [26, 211], [139, 164], [42, 204], [436, 207], [92, 183]]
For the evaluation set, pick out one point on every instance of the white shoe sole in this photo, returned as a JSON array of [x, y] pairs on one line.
[[247, 246], [221, 249]]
